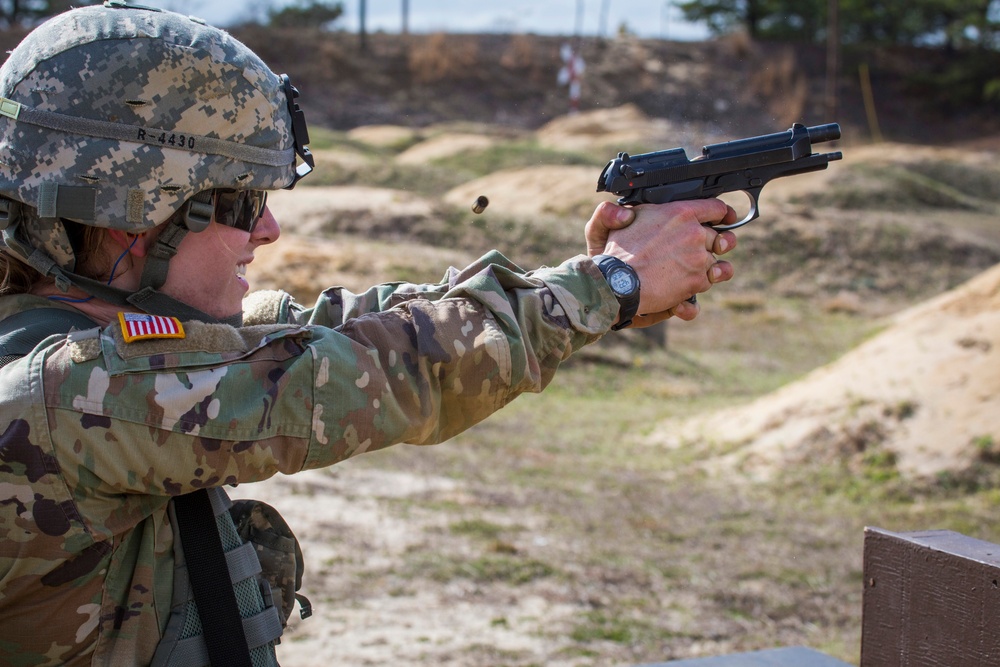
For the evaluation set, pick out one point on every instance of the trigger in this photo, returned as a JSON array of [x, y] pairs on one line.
[[754, 213]]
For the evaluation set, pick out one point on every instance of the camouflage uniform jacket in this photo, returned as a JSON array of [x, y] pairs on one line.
[[99, 434]]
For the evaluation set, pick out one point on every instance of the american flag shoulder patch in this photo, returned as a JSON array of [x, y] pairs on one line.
[[140, 326]]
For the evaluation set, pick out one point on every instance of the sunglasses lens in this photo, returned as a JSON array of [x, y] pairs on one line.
[[241, 209]]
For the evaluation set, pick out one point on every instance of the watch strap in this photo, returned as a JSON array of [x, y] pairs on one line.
[[628, 303]]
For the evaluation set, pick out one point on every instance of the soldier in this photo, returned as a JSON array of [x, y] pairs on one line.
[[136, 150]]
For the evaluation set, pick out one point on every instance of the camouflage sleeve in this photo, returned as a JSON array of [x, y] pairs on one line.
[[494, 334], [337, 305], [232, 405]]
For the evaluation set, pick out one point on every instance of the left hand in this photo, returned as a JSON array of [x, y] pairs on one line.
[[607, 216]]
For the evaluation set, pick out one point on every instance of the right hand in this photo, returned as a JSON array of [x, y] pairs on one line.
[[672, 247]]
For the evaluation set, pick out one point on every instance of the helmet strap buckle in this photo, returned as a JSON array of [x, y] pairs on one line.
[[198, 212]]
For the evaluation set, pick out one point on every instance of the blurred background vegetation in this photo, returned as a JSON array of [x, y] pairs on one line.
[[967, 31]]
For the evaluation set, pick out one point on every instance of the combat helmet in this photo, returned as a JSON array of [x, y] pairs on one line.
[[121, 116]]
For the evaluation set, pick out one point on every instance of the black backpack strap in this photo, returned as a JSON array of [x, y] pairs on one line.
[[213, 593], [21, 332]]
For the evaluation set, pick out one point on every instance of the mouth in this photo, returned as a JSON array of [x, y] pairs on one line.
[[241, 268], [241, 273]]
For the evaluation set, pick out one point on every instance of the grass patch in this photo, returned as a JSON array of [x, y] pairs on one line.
[[613, 626], [378, 169], [322, 138], [911, 187], [477, 528], [357, 163], [489, 569], [599, 626], [513, 155]]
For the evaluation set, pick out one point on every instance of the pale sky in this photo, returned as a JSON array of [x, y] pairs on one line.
[[647, 18]]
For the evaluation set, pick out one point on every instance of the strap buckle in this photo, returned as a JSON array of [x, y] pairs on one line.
[[198, 212]]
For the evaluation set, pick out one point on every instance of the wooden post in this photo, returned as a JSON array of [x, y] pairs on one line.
[[869, 98], [931, 599]]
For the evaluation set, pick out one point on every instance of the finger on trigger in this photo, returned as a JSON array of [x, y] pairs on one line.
[[713, 212]]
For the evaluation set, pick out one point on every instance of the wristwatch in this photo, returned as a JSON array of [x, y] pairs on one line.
[[624, 282]]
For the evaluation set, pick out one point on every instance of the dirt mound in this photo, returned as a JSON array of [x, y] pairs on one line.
[[385, 136], [311, 211], [924, 395], [303, 265], [605, 129], [443, 146], [309, 258]]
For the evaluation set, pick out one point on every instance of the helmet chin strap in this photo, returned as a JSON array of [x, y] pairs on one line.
[[196, 216]]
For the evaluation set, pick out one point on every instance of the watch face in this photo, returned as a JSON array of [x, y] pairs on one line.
[[621, 281]]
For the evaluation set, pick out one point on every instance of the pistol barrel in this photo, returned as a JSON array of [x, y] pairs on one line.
[[821, 133]]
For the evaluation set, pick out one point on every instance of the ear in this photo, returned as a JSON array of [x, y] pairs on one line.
[[136, 244]]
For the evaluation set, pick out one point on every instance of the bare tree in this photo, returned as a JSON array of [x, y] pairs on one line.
[[832, 56], [362, 16], [257, 11]]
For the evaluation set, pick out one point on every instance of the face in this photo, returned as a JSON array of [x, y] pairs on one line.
[[209, 270]]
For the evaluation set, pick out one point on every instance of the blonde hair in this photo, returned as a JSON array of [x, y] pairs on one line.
[[16, 277]]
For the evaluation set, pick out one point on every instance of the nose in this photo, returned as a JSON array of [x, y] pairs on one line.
[[267, 230]]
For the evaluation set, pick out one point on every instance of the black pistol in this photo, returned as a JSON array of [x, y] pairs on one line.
[[743, 165]]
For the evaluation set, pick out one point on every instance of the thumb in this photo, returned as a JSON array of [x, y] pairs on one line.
[[608, 216]]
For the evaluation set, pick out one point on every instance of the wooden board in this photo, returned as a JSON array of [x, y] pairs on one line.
[[931, 599]]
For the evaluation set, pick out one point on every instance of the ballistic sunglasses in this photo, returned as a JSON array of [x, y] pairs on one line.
[[241, 209]]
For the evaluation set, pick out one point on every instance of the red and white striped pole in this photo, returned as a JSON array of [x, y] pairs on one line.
[[570, 75]]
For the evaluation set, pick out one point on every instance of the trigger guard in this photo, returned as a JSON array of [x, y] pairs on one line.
[[752, 215]]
